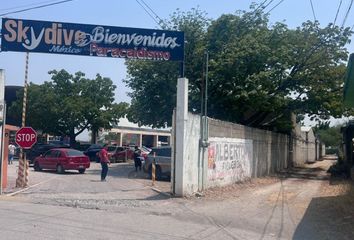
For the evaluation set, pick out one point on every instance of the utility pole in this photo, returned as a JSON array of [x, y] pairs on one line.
[[2, 125], [204, 124], [23, 166]]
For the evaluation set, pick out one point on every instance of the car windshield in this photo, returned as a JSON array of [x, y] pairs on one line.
[[74, 153], [95, 146], [119, 149], [163, 152], [145, 149], [111, 148]]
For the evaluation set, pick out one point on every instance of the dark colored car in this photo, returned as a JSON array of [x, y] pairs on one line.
[[92, 151], [162, 160], [40, 148], [82, 146], [62, 159]]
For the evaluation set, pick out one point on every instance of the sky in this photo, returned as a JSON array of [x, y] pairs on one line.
[[131, 14]]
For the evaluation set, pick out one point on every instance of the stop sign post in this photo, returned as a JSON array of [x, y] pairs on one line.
[[26, 137]]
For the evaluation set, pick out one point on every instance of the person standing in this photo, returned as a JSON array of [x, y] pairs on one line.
[[137, 159], [104, 159], [12, 149]]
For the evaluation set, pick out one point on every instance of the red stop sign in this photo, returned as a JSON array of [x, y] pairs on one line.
[[26, 137]]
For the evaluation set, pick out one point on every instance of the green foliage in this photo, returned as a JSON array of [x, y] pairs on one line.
[[154, 92], [111, 137], [154, 83], [330, 136], [69, 104], [259, 73]]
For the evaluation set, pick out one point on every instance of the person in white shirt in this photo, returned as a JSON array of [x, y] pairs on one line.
[[12, 149]]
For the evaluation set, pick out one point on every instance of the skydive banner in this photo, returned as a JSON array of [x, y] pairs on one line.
[[91, 40]]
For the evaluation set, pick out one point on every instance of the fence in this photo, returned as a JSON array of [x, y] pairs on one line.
[[237, 153]]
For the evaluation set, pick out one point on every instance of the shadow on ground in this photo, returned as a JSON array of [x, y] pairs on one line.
[[315, 173], [329, 217], [126, 170], [67, 172], [323, 221]]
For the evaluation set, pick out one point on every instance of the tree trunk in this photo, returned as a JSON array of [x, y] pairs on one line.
[[72, 139], [94, 136]]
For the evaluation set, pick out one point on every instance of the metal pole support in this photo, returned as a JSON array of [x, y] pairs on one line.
[[153, 170], [23, 171]]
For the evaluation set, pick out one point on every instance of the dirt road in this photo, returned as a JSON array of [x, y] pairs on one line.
[[304, 203]]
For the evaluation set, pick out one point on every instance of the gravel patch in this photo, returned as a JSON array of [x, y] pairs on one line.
[[235, 190], [103, 204]]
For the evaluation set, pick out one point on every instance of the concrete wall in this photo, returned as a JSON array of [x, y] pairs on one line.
[[305, 147], [235, 153], [243, 152], [185, 149], [191, 168], [229, 161]]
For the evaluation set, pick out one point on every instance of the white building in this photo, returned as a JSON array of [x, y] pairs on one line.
[[128, 133]]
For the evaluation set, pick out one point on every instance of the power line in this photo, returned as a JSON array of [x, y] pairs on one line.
[[347, 14], [157, 16], [41, 6], [260, 5], [27, 5], [264, 7], [153, 18], [335, 19], [313, 11], [275, 6]]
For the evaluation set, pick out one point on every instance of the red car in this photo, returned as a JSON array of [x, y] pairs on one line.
[[124, 153], [120, 153], [62, 159]]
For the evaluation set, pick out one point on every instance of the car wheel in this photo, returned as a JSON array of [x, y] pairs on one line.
[[82, 171], [37, 167], [60, 169]]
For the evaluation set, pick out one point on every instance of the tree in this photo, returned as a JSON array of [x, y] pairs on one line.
[[265, 73], [69, 104], [330, 136], [111, 137], [259, 73], [154, 83]]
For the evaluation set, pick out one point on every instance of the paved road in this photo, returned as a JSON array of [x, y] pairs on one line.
[[74, 206]]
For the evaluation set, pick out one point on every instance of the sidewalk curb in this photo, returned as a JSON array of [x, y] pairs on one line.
[[161, 192], [27, 188]]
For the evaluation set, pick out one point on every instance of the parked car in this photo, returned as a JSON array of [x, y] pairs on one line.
[[146, 148], [145, 151], [62, 159], [118, 153], [82, 146], [40, 148], [17, 151], [162, 161], [92, 151]]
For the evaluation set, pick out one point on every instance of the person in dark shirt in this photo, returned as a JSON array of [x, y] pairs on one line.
[[137, 159]]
